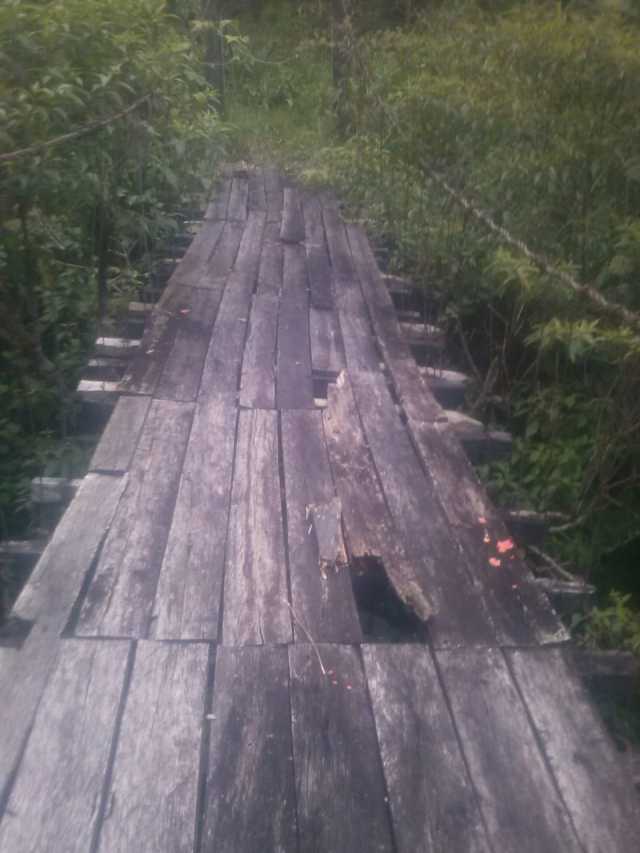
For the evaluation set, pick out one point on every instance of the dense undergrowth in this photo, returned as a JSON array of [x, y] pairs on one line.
[[79, 218], [532, 111]]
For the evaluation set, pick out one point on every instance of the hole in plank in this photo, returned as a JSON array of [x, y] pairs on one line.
[[384, 617]]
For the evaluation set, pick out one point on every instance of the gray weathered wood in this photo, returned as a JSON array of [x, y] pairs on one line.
[[339, 783], [187, 600], [327, 351], [292, 228], [180, 378], [223, 258], [322, 597], [275, 196], [271, 263], [587, 767], [119, 599], [481, 445], [53, 490], [341, 261], [120, 437], [258, 379], [369, 530], [462, 615], [294, 389], [151, 804], [257, 194], [318, 261], [114, 347], [192, 268], [433, 804], [48, 599], [360, 347], [54, 801], [522, 808], [238, 200], [217, 208], [250, 794], [98, 391], [255, 587]]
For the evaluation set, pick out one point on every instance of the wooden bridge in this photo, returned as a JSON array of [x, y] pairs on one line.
[[227, 648]]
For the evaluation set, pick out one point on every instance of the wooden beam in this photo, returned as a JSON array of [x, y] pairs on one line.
[[116, 347], [53, 490], [99, 392]]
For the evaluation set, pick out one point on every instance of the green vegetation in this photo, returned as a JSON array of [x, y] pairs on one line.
[[79, 218]]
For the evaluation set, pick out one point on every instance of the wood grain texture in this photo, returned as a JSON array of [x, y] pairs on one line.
[[322, 597], [258, 378], [188, 596], [587, 767], [151, 804], [461, 616], [191, 269], [238, 200], [217, 208], [433, 804], [521, 807], [180, 378], [223, 258], [294, 389], [119, 599], [318, 262], [339, 251], [339, 782], [255, 586], [47, 599], [250, 799], [271, 266], [275, 195], [57, 792], [120, 437], [327, 350], [292, 227]]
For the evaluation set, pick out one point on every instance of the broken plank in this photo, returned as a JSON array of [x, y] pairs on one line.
[[187, 600], [327, 351], [47, 599], [461, 614], [61, 775], [322, 597], [369, 530], [340, 788], [318, 262], [250, 795], [582, 756], [180, 378], [255, 588], [258, 378], [522, 808], [120, 437], [292, 228], [238, 200], [433, 804], [119, 599], [151, 803]]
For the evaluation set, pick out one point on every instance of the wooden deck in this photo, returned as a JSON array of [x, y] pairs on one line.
[[199, 675]]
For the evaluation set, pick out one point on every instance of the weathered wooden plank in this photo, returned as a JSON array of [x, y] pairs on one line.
[[318, 262], [449, 387], [224, 256], [180, 378], [98, 391], [322, 597], [191, 269], [338, 244], [250, 793], [339, 782], [151, 804], [187, 601], [275, 195], [258, 379], [294, 388], [327, 350], [292, 228], [219, 204], [113, 347], [584, 761], [369, 530], [271, 266], [223, 363], [522, 809], [433, 805], [53, 490], [255, 589], [481, 445], [119, 599], [48, 599], [57, 791], [118, 442], [238, 200], [462, 615], [360, 347], [257, 195]]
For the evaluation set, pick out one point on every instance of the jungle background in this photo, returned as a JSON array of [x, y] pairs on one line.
[[529, 111]]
